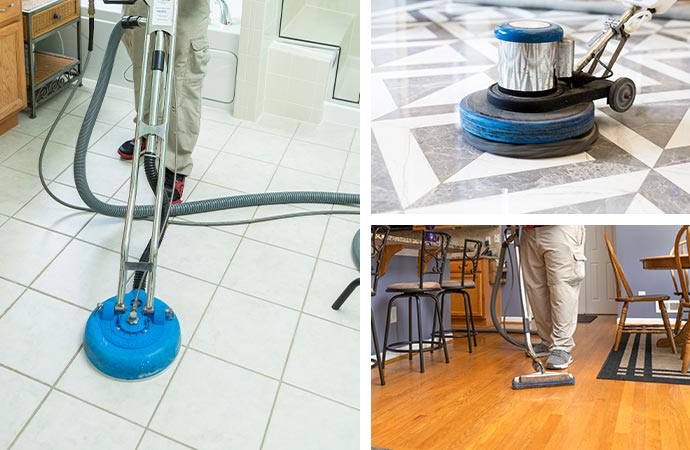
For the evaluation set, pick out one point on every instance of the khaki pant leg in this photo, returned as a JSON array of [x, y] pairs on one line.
[[534, 274], [191, 60], [564, 260]]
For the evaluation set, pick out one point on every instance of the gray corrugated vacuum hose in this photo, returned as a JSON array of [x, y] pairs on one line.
[[200, 206], [679, 12]]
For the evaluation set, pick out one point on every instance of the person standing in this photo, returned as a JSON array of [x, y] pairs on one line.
[[553, 264]]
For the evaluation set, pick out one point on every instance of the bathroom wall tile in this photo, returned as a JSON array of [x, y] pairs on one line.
[[232, 317], [64, 422], [286, 268], [34, 343]]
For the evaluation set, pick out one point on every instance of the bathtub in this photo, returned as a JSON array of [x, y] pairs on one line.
[[224, 40]]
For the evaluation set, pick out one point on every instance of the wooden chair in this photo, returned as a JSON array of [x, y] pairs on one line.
[[682, 247], [630, 298]]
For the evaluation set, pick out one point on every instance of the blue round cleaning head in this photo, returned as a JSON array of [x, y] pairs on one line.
[[529, 31], [130, 351]]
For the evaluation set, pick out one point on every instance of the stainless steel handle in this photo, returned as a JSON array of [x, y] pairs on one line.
[[10, 6]]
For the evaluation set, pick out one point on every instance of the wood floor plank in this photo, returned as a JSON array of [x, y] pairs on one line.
[[469, 403]]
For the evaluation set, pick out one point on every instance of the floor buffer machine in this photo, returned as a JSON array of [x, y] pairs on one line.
[[542, 105]]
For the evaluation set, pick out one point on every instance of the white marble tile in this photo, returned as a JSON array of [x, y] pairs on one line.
[[678, 174], [328, 282], [410, 34], [326, 133], [57, 158], [34, 344], [24, 396], [30, 248], [454, 93], [442, 54], [382, 101], [335, 373], [233, 318], [681, 137], [314, 158], [270, 123], [259, 145], [627, 139], [227, 395], [133, 400], [64, 422], [22, 186], [306, 421], [303, 234], [640, 205], [42, 210], [265, 271], [239, 173]]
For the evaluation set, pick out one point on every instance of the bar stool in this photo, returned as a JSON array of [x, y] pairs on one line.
[[432, 260], [471, 251], [379, 236]]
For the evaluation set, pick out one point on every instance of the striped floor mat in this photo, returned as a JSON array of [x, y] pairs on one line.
[[639, 359]]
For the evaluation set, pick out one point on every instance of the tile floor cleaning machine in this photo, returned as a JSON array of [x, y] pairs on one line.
[[540, 377], [542, 105], [135, 335]]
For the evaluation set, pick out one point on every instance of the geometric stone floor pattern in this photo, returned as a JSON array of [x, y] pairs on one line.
[[426, 56]]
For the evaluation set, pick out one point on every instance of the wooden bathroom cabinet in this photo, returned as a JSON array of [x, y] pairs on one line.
[[12, 71]]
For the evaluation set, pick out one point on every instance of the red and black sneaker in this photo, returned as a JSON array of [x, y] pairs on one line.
[[126, 150], [175, 188]]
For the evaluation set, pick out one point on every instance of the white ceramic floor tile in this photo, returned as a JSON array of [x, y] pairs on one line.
[[268, 272], [316, 159], [108, 144], [301, 234], [211, 404], [145, 195], [355, 142], [12, 141], [235, 319], [30, 248], [328, 282], [57, 158], [105, 175], [83, 274], [306, 421], [214, 135], [259, 145], [22, 187], [153, 441], [219, 115], [239, 173], [64, 422], [55, 103], [38, 124], [335, 372], [107, 232], [8, 293], [48, 213], [112, 110], [198, 251], [187, 296], [351, 171], [330, 134], [204, 191], [203, 158], [128, 122], [19, 396], [271, 123], [286, 179], [337, 245], [133, 400], [41, 335], [67, 131]]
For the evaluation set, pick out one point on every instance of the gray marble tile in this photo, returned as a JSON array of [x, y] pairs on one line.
[[674, 156], [380, 5], [407, 90], [383, 195], [612, 205], [665, 195], [656, 122], [474, 57], [445, 149], [421, 111], [678, 62], [381, 56]]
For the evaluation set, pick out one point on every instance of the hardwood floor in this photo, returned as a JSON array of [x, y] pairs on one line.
[[469, 403]]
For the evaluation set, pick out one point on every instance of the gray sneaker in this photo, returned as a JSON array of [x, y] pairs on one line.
[[541, 350], [559, 359]]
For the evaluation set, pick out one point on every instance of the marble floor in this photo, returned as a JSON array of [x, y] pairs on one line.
[[427, 55], [265, 362]]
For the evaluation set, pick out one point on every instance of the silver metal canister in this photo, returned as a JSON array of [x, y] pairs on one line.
[[527, 53], [565, 58]]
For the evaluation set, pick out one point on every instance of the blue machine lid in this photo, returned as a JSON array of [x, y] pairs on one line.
[[529, 31]]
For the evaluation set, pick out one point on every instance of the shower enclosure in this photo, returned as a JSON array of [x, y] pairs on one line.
[[332, 23]]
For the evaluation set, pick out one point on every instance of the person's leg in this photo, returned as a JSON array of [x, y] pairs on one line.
[[534, 274], [565, 268], [191, 59]]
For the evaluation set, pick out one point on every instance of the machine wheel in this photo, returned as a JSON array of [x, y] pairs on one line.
[[622, 94]]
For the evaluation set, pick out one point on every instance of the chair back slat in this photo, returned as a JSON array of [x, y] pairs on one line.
[[432, 256], [618, 271], [379, 236], [472, 250], [682, 250], [682, 247]]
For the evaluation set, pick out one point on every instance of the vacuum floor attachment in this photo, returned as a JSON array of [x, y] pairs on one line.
[[543, 379]]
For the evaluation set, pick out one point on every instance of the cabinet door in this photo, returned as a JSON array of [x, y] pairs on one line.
[[13, 84]]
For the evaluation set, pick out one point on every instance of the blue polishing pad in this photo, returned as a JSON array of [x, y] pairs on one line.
[[480, 118], [529, 31], [132, 351]]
